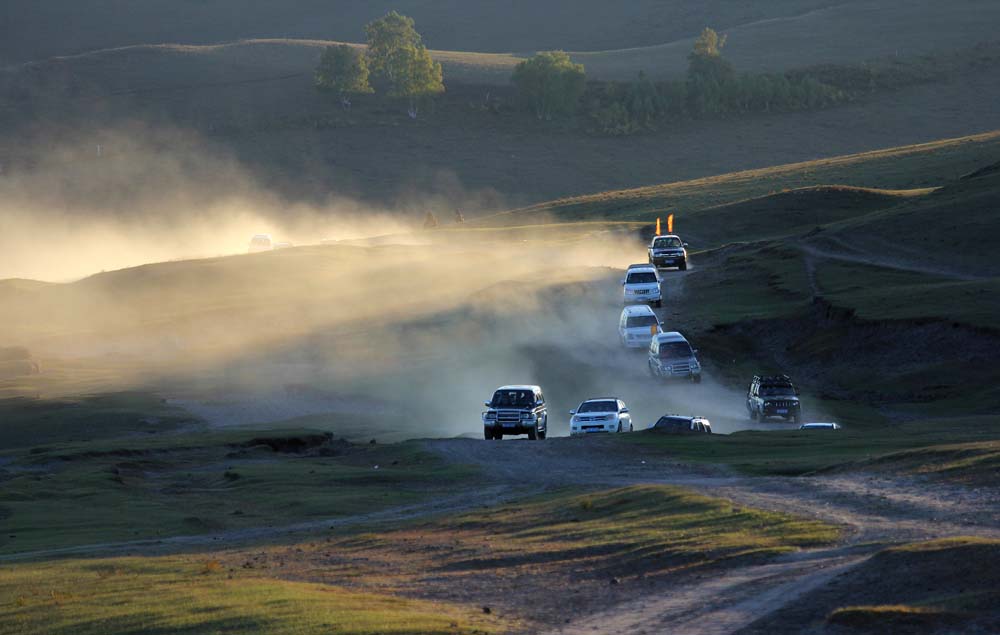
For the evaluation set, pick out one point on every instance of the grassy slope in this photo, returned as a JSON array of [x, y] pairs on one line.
[[514, 554], [646, 528], [196, 596], [620, 39], [901, 446], [930, 587], [147, 487], [901, 168]]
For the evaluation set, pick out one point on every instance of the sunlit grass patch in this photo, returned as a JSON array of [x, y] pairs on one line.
[[648, 522], [186, 595]]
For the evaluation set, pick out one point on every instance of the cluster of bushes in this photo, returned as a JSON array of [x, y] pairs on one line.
[[711, 88], [395, 61]]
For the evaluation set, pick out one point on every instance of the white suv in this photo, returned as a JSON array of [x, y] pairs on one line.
[[671, 355], [600, 415], [637, 326], [642, 285]]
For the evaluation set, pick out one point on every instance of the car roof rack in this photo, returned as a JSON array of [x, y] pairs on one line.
[[775, 379]]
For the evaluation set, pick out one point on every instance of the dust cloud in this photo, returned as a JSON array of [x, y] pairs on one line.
[[393, 331], [78, 203]]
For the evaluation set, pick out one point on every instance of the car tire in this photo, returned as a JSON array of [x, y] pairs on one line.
[[658, 303], [533, 433], [683, 266], [630, 428], [796, 418], [696, 378], [619, 427], [487, 434]]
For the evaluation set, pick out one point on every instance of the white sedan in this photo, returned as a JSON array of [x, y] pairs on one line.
[[600, 415]]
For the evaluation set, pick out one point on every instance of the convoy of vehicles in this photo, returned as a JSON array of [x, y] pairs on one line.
[[516, 410], [668, 251], [600, 415], [773, 396], [671, 357], [637, 326], [641, 284], [520, 409]]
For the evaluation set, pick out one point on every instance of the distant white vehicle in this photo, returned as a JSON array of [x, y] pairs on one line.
[[283, 245], [641, 284], [637, 326], [820, 426], [600, 415], [261, 242], [671, 356]]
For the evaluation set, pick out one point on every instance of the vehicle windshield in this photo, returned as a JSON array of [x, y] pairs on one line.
[[260, 240], [641, 320], [672, 422], [641, 277], [671, 350], [598, 406], [672, 241], [777, 391], [513, 399]]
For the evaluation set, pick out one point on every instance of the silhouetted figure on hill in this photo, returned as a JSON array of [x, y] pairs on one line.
[[430, 221]]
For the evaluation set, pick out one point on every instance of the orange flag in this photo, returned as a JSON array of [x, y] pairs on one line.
[[670, 224]]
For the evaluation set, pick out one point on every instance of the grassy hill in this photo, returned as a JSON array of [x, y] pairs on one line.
[[614, 40]]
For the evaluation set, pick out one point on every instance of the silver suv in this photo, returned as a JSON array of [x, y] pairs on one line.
[[641, 284]]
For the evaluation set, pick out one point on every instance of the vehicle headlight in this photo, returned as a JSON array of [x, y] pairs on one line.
[[695, 364], [609, 417], [528, 415], [669, 369]]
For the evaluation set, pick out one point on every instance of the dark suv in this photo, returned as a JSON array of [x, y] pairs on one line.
[[678, 424], [516, 410], [773, 396]]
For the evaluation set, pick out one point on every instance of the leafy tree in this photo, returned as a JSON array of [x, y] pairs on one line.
[[397, 56], [643, 102], [342, 69], [386, 36], [415, 75], [705, 61], [551, 83]]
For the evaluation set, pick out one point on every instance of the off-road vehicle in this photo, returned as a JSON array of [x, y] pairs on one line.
[[677, 424], [773, 396], [637, 325], [671, 356], [668, 251], [516, 410], [600, 415], [641, 284]]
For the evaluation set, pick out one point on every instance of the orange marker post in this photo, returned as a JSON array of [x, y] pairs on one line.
[[670, 224], [657, 225]]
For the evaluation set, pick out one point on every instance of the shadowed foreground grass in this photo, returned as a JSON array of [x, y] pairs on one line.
[[184, 595], [939, 586]]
